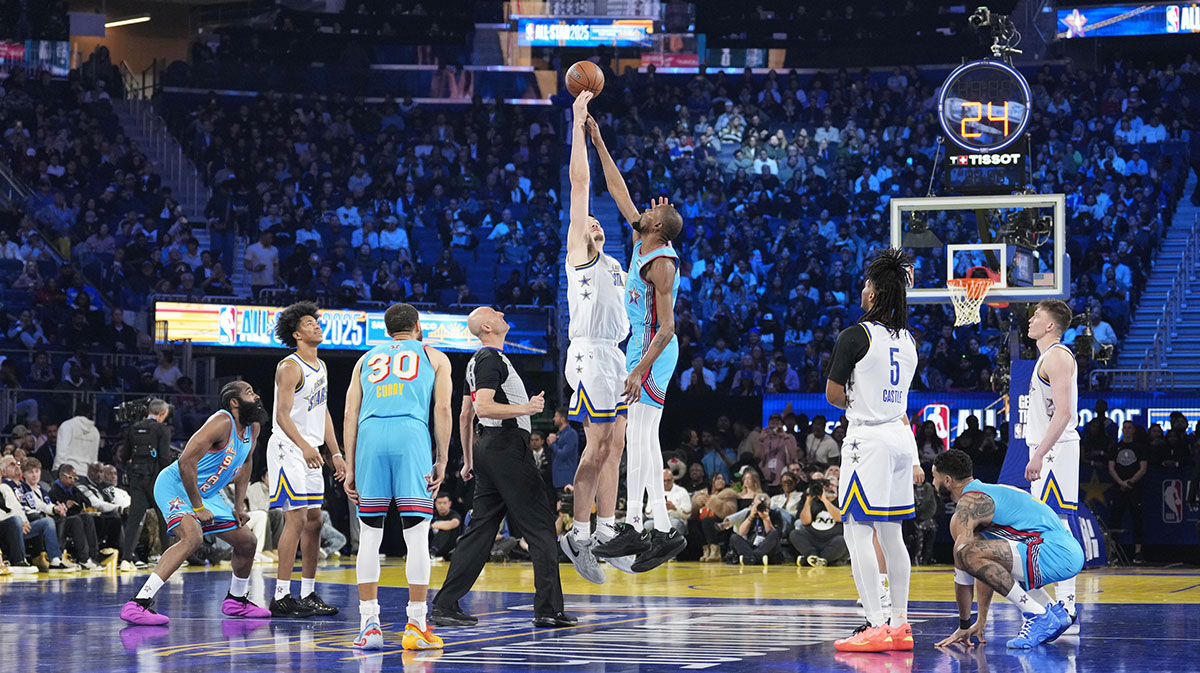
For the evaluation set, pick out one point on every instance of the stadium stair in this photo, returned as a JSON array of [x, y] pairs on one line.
[[1183, 359]]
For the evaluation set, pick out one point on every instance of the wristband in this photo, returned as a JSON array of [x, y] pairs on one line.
[[199, 509], [964, 624], [334, 455]]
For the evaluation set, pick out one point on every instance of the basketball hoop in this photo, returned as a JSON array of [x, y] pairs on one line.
[[968, 295]]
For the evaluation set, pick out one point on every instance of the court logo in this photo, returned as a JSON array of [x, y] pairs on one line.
[[1172, 501]]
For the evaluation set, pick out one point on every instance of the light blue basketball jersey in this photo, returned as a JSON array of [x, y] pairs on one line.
[[1018, 514], [640, 303], [216, 469], [397, 381]]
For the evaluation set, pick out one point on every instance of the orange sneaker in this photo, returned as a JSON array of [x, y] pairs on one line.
[[415, 639], [902, 637], [866, 639], [872, 662]]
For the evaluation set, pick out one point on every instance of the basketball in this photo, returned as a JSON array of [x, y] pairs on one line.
[[585, 76]]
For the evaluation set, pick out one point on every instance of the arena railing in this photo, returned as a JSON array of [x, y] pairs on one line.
[[167, 154], [100, 403], [1160, 346], [1132, 379]]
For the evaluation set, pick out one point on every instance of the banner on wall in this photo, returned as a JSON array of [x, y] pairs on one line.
[[1128, 20], [540, 31], [234, 325], [53, 56]]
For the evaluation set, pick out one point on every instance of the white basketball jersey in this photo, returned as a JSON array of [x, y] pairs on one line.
[[1041, 404], [878, 386], [308, 406], [595, 297]]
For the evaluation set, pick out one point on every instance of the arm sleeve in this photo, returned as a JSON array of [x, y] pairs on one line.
[[851, 346], [489, 371]]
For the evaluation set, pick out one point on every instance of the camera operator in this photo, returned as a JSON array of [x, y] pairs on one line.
[[757, 539], [145, 451], [818, 539]]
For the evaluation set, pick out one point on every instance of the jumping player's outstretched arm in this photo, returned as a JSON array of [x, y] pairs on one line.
[[1059, 367], [350, 427], [466, 435], [660, 274], [287, 376], [215, 430], [579, 243], [443, 421], [612, 177]]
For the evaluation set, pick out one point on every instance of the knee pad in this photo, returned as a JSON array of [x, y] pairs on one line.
[[370, 537], [417, 566]]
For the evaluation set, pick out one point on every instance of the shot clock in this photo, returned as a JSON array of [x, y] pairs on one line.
[[984, 106]]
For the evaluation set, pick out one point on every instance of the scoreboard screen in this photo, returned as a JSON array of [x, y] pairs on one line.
[[984, 106]]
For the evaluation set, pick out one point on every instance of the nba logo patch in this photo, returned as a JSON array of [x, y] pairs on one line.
[[1173, 18], [1172, 501]]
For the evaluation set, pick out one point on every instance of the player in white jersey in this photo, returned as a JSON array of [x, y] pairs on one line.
[[294, 462], [872, 369], [595, 366], [1050, 429]]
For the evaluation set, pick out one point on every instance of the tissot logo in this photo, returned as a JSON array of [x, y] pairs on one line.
[[985, 159]]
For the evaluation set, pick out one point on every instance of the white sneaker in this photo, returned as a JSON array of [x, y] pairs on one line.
[[126, 567], [580, 553], [23, 570], [321, 554], [89, 564], [622, 563], [63, 565]]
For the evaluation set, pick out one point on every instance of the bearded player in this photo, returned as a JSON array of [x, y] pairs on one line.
[[595, 366], [872, 369], [1053, 468], [650, 358]]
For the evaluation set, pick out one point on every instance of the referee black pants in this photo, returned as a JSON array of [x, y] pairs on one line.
[[506, 483]]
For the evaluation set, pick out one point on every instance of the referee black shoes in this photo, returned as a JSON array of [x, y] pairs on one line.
[[558, 619], [629, 541], [452, 617], [663, 548], [319, 607]]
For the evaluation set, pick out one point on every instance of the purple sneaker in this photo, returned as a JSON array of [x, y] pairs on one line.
[[133, 637], [234, 606], [138, 611]]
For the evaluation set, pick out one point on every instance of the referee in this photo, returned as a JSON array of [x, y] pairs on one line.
[[507, 481]]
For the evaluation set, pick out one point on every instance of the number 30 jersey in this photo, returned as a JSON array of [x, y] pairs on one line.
[[397, 381], [879, 385]]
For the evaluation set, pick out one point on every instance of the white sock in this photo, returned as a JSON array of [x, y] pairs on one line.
[[864, 567], [1065, 592], [151, 587], [307, 586], [282, 588], [606, 528], [368, 611], [883, 581], [891, 540], [416, 614], [635, 477], [582, 529], [1040, 595], [238, 586], [1024, 602]]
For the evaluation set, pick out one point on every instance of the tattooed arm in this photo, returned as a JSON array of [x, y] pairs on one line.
[[987, 560]]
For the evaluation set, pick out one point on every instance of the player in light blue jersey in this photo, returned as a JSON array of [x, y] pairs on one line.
[[389, 461], [188, 493], [651, 287], [1014, 544]]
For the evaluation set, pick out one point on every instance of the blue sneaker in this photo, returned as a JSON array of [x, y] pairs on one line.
[[1036, 630], [1064, 619], [371, 637]]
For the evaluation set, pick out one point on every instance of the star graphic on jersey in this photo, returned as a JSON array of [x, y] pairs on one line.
[[579, 357], [854, 445], [585, 295], [634, 297], [579, 370], [854, 457], [1049, 458], [176, 505], [585, 281]]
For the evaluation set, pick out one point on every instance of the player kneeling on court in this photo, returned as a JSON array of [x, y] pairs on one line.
[[1013, 544], [188, 493]]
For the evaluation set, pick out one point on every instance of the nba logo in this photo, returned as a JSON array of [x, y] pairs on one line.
[[227, 326], [940, 415], [1172, 501], [1173, 18]]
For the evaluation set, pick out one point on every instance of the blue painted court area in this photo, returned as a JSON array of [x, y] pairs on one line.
[[71, 624]]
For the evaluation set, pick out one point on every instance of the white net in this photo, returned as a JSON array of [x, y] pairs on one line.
[[968, 294]]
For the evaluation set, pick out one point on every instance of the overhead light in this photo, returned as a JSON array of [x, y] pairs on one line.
[[127, 22]]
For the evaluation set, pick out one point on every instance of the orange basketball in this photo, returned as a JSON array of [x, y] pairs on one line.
[[585, 76]]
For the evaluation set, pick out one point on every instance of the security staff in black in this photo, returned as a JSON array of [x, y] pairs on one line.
[[496, 452], [146, 451]]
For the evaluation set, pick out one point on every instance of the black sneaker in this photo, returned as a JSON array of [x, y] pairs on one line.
[[290, 607], [318, 606], [663, 548], [629, 541], [558, 619], [452, 617]]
